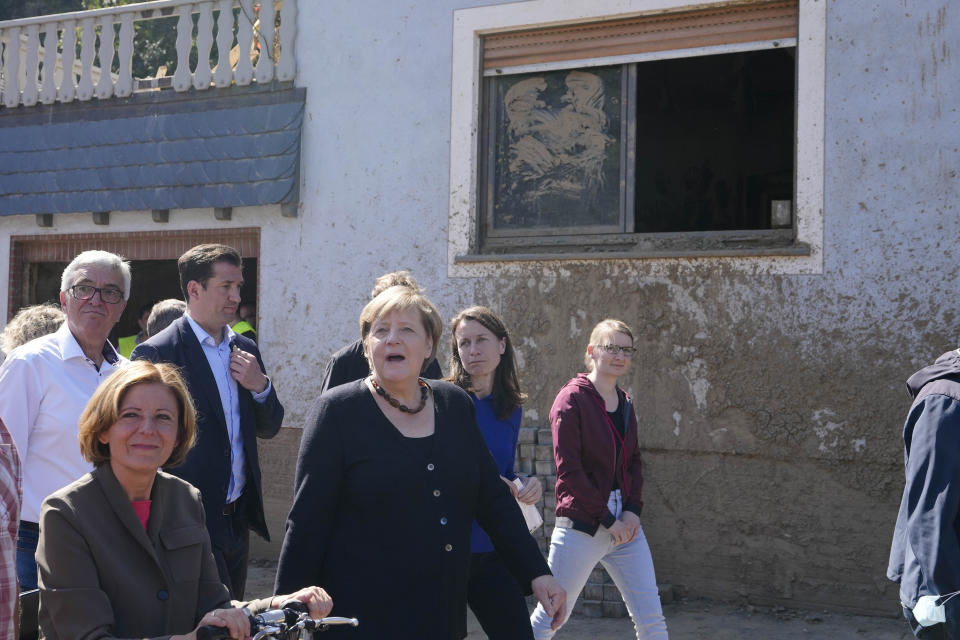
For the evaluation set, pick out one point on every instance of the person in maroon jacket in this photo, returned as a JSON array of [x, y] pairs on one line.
[[599, 484]]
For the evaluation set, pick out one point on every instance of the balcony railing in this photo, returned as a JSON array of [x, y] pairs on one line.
[[250, 47]]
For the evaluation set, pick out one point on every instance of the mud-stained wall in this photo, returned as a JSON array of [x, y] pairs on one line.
[[770, 405]]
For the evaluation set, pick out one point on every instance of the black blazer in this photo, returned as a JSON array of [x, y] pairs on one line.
[[376, 513], [207, 466]]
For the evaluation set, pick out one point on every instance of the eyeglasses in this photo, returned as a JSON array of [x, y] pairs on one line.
[[86, 292], [613, 349]]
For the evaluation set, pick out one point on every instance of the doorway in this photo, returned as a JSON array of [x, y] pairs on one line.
[[37, 263]]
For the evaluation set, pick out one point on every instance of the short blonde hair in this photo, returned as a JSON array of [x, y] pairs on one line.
[[401, 298], [605, 328], [103, 410], [30, 323]]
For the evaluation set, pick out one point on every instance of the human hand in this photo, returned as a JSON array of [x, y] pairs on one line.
[[552, 597], [531, 492], [245, 369], [632, 520], [513, 487], [318, 601], [236, 621], [621, 532]]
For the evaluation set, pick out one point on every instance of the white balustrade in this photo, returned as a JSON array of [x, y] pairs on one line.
[[105, 85], [265, 33], [124, 84], [34, 70], [67, 81], [287, 66], [11, 67], [32, 65], [222, 76], [48, 90], [243, 74]]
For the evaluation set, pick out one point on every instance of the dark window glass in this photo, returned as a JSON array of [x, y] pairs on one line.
[[715, 142], [556, 149]]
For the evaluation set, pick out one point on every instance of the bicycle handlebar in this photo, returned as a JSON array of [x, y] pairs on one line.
[[291, 617]]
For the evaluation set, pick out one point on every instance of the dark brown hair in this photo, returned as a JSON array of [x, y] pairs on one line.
[[197, 263], [506, 384]]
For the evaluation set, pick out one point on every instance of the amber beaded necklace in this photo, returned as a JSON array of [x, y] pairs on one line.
[[424, 390]]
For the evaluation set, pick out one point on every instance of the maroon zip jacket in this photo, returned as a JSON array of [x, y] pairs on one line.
[[584, 448]]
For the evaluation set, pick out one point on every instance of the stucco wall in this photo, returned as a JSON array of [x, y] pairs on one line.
[[770, 404]]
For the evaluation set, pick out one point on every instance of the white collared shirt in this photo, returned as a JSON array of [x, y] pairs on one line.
[[218, 356], [44, 387]]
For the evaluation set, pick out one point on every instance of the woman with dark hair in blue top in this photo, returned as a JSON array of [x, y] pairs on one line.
[[483, 363]]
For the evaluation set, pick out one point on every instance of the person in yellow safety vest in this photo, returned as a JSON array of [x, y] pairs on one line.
[[127, 344], [246, 325]]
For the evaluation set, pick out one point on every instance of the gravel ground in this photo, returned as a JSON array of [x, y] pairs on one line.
[[691, 619]]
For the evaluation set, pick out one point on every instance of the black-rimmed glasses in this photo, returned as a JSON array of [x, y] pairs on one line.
[[86, 292], [613, 349]]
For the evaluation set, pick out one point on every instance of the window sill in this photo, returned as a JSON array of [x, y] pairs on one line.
[[799, 250], [641, 246]]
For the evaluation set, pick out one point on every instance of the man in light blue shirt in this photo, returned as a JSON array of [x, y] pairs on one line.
[[236, 403]]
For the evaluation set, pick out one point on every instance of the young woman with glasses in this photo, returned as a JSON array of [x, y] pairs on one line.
[[599, 485]]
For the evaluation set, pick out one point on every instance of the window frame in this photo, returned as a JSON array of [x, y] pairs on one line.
[[795, 250]]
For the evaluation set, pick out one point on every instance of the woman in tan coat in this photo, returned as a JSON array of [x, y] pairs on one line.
[[124, 551]]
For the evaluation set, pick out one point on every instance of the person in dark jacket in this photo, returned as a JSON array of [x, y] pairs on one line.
[[392, 471], [925, 554], [483, 363], [236, 402], [350, 363], [599, 484]]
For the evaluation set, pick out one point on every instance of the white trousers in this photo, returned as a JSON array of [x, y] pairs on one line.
[[574, 554]]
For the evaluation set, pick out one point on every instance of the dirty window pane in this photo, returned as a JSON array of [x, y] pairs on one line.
[[556, 150], [715, 142]]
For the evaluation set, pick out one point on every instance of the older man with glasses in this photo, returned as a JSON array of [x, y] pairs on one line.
[[46, 383]]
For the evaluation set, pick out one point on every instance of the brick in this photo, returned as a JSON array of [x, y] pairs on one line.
[[613, 609], [545, 436], [544, 467], [544, 452], [611, 593], [592, 592], [527, 451], [527, 435], [549, 517], [549, 502], [598, 575], [589, 608], [523, 466]]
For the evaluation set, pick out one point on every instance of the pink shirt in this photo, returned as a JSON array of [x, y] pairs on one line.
[[142, 509]]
